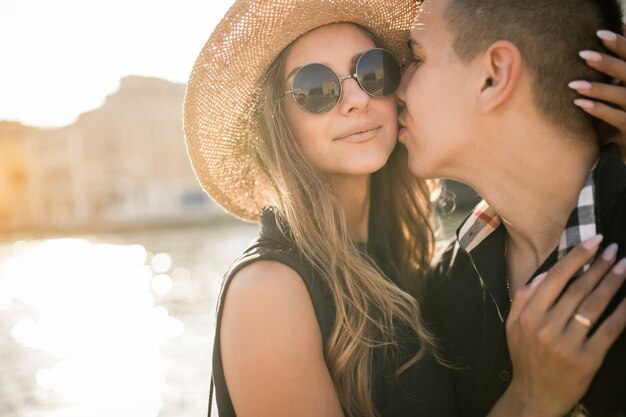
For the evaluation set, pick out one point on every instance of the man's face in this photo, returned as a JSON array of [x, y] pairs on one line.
[[437, 97]]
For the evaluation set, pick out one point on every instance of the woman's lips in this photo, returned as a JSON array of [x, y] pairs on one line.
[[360, 136]]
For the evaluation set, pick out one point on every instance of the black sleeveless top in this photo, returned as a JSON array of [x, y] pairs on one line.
[[425, 389]]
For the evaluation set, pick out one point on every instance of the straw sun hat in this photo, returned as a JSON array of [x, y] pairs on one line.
[[220, 120]]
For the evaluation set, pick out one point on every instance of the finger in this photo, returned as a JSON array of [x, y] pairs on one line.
[[560, 274], [569, 302], [611, 66], [613, 42], [614, 117], [608, 332], [614, 94], [521, 296], [594, 305]]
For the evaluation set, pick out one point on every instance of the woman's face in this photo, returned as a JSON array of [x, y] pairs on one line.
[[356, 136]]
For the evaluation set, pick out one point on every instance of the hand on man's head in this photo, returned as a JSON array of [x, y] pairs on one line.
[[609, 101]]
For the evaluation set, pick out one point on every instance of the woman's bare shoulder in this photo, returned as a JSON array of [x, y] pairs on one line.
[[267, 286], [271, 344]]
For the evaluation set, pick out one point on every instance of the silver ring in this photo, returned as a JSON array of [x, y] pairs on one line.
[[584, 320]]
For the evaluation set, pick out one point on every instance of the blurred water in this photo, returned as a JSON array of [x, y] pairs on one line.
[[112, 325]]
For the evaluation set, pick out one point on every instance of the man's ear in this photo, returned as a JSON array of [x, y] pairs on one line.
[[502, 65]]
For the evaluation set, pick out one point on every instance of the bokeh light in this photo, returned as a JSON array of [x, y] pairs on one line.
[[91, 308]]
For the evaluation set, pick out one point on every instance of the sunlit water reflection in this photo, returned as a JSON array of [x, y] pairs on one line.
[[113, 325], [117, 325]]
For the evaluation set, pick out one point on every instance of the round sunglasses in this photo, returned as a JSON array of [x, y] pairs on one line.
[[316, 88]]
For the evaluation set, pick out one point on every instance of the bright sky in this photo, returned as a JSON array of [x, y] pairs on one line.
[[60, 58]]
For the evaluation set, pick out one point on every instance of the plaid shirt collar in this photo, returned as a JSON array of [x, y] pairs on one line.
[[581, 224]]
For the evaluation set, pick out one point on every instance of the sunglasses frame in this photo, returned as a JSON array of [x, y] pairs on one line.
[[341, 78]]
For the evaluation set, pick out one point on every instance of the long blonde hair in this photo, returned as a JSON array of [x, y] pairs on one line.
[[369, 307]]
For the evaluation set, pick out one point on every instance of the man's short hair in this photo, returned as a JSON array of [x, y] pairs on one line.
[[549, 35]]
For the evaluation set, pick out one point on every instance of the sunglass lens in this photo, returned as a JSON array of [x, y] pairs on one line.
[[378, 72], [316, 88]]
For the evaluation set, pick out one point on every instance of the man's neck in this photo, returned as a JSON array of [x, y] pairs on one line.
[[532, 180]]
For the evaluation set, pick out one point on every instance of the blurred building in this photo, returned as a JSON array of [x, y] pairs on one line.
[[15, 204], [124, 164]]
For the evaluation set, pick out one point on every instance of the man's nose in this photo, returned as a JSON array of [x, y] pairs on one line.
[[401, 91]]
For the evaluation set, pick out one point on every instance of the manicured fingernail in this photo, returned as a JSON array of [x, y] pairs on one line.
[[590, 56], [537, 280], [579, 85], [606, 35], [610, 252], [585, 104], [620, 268], [593, 242]]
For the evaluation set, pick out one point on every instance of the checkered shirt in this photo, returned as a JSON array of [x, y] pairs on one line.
[[580, 226]]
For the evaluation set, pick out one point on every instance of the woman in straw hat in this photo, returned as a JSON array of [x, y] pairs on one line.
[[326, 318], [290, 119]]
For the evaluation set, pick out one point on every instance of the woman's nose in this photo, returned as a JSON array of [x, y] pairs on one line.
[[353, 97]]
